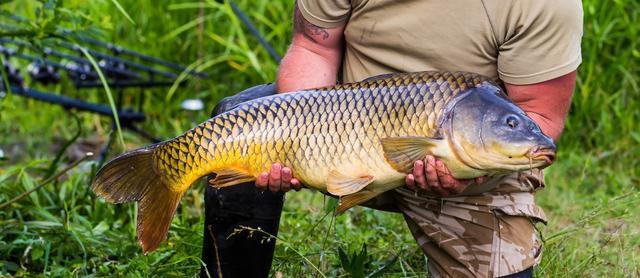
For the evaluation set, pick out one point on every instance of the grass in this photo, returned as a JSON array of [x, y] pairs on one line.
[[592, 197]]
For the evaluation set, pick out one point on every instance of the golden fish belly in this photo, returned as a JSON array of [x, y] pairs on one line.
[[318, 131]]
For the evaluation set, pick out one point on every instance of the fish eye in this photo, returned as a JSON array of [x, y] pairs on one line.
[[512, 122]]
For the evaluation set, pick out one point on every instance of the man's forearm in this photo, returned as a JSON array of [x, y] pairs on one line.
[[313, 58], [547, 103], [302, 68]]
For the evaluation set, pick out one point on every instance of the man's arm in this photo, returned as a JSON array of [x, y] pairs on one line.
[[314, 57], [547, 103], [312, 61]]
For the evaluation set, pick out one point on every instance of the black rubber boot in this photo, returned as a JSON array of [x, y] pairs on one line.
[[228, 249], [527, 273]]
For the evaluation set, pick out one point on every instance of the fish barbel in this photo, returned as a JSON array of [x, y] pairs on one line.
[[354, 141]]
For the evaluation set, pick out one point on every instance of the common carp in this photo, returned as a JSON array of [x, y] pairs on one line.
[[354, 141]]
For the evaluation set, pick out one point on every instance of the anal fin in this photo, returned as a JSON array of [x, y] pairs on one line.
[[352, 200], [229, 177]]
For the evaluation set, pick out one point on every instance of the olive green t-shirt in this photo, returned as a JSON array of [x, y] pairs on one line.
[[518, 41]]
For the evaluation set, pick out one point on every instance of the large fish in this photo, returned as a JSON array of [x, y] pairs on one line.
[[354, 141]]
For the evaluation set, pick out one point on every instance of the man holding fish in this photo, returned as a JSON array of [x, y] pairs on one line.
[[430, 114], [531, 46]]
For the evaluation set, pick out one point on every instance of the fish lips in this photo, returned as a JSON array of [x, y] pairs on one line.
[[546, 154]]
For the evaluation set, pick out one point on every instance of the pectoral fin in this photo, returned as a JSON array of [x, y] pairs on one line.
[[229, 177], [340, 184], [352, 200], [401, 152]]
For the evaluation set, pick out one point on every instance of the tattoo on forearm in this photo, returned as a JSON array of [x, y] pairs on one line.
[[306, 28]]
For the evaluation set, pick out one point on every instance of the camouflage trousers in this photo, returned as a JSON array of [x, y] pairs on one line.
[[488, 234]]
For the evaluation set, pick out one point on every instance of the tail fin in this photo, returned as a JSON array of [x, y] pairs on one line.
[[134, 177]]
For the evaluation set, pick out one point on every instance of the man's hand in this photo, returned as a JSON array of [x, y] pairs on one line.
[[278, 179], [431, 175]]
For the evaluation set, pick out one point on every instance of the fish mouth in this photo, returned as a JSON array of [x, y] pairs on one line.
[[546, 154]]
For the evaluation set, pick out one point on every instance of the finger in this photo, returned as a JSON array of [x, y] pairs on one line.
[[433, 180], [460, 185], [450, 183], [467, 182], [295, 184], [262, 181], [210, 181], [285, 186], [446, 180], [419, 175], [275, 177], [410, 181]]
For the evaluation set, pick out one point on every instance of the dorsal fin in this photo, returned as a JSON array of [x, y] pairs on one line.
[[378, 77]]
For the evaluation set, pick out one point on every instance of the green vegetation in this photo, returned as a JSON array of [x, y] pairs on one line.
[[592, 197]]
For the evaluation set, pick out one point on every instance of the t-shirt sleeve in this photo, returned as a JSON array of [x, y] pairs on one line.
[[325, 13], [541, 41]]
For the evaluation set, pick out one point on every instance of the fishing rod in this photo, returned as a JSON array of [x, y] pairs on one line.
[[120, 73], [81, 71], [126, 116], [48, 51], [120, 60], [116, 49], [121, 50]]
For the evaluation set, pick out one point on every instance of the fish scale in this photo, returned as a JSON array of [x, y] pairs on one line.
[[314, 131]]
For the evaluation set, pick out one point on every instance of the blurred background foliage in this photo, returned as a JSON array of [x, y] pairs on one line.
[[592, 196]]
